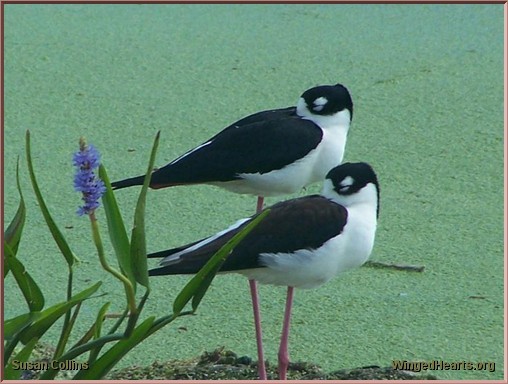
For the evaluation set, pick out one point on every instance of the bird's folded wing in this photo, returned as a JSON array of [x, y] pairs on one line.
[[257, 147], [304, 223]]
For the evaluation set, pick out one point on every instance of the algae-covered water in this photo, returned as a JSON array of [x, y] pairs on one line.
[[427, 83]]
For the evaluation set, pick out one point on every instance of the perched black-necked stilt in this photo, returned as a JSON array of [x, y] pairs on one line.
[[301, 243]]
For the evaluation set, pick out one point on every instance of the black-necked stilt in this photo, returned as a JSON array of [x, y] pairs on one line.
[[268, 153], [301, 243]]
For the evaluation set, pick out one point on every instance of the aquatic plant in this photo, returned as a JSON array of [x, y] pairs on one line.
[[97, 350]]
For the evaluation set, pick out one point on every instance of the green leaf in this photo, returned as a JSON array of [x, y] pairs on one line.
[[86, 337], [198, 285], [55, 232], [67, 326], [119, 322], [12, 234], [138, 241], [50, 315], [116, 229], [209, 274], [31, 291], [203, 287], [16, 324], [98, 329], [12, 373], [110, 358], [100, 319], [79, 350]]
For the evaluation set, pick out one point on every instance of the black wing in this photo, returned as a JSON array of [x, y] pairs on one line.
[[198, 169], [303, 223], [263, 142]]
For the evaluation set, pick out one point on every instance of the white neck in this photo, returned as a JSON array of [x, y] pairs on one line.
[[367, 197]]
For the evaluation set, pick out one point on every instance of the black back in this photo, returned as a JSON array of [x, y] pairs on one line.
[[303, 223], [266, 141]]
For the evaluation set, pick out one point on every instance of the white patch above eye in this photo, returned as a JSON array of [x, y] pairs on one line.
[[347, 182], [319, 103]]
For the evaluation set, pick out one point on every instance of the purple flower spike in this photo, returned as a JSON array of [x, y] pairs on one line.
[[85, 180]]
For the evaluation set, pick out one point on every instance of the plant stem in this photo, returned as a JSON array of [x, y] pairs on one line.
[[129, 289], [66, 329], [115, 327]]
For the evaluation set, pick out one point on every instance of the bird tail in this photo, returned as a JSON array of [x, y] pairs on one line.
[[168, 270], [164, 253], [169, 252], [128, 182], [174, 267]]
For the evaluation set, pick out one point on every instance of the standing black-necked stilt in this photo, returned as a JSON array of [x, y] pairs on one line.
[[301, 243], [268, 153]]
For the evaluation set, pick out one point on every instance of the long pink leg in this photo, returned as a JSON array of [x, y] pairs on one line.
[[259, 206], [283, 349], [257, 315], [259, 334]]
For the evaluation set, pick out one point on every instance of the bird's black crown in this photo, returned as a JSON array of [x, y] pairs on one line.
[[360, 174], [349, 178], [328, 99]]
